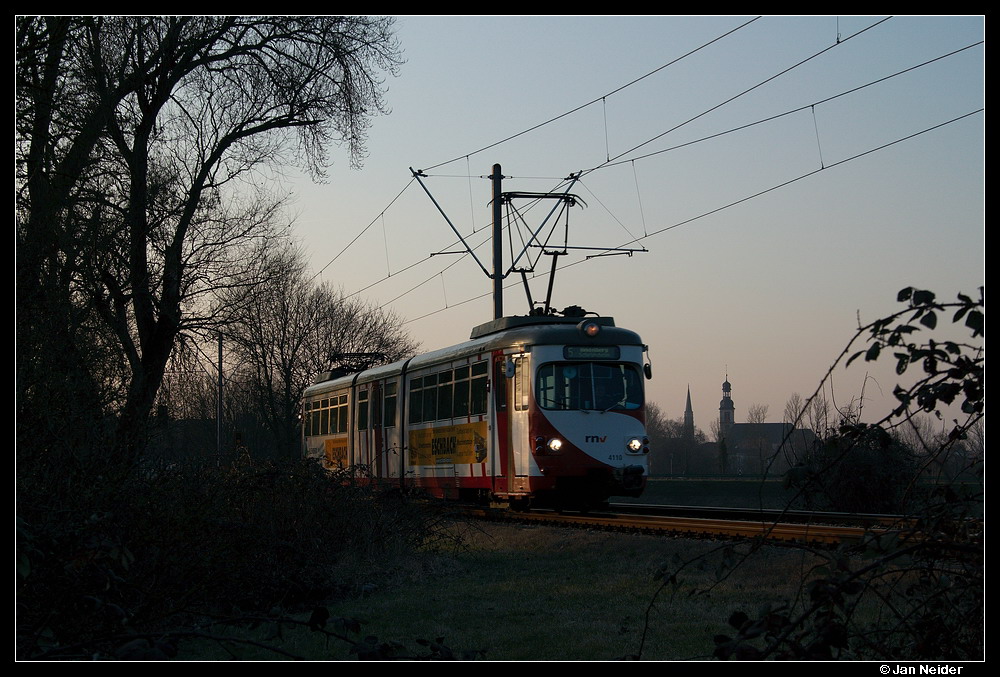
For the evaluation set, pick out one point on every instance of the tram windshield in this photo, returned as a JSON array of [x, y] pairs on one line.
[[597, 386]]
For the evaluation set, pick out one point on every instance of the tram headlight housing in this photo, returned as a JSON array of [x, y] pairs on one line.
[[589, 328], [637, 445], [553, 445]]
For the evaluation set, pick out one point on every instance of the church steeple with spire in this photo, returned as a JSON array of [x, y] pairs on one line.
[[727, 410], [688, 418]]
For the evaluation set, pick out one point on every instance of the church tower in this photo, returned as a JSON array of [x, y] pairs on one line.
[[689, 418], [727, 410]]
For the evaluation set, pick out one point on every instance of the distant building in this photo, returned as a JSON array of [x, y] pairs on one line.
[[757, 448], [727, 410]]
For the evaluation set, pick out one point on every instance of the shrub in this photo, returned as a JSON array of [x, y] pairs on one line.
[[111, 554], [915, 592], [865, 471]]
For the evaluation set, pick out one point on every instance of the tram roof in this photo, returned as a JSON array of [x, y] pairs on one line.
[[504, 332], [517, 321]]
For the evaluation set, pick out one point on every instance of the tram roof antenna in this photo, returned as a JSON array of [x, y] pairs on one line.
[[564, 197], [564, 200], [570, 198], [615, 251]]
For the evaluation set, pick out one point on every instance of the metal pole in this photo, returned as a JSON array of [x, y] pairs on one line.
[[497, 245], [552, 279]]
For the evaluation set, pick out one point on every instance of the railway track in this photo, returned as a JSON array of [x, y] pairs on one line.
[[725, 523], [766, 515]]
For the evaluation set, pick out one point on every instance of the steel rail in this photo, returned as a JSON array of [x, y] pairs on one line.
[[688, 526]]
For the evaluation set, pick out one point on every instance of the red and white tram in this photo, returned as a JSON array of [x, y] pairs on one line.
[[534, 408]]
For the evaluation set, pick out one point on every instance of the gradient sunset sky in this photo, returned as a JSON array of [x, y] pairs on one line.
[[769, 289]]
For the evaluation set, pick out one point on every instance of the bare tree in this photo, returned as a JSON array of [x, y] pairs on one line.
[[672, 452], [797, 443], [658, 429], [920, 434], [977, 442], [757, 413], [722, 459], [142, 144], [794, 409], [715, 428], [290, 329], [818, 415], [757, 439]]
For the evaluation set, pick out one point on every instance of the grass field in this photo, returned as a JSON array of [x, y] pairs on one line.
[[539, 593], [725, 493], [518, 592]]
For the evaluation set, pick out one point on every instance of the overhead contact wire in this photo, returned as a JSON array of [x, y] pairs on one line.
[[428, 258], [638, 197], [736, 96], [607, 145], [590, 103], [727, 206], [802, 176], [672, 148], [819, 146], [610, 213], [827, 99], [363, 231], [787, 112]]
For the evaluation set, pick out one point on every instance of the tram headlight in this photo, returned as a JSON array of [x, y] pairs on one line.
[[634, 444], [589, 328], [555, 444]]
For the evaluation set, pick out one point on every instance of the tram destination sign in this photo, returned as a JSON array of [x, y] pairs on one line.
[[591, 352]]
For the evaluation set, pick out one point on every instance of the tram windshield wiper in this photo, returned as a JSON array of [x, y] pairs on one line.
[[620, 403]]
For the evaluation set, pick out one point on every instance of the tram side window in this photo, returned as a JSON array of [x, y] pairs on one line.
[[520, 385], [479, 370], [451, 393], [416, 400], [444, 398], [430, 398], [362, 410], [389, 408], [633, 388], [500, 384], [461, 402], [315, 418], [342, 414]]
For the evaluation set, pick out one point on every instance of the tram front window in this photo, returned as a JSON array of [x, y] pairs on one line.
[[589, 385]]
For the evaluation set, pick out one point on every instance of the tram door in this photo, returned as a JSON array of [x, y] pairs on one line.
[[362, 433], [520, 400], [369, 434], [500, 423], [375, 423]]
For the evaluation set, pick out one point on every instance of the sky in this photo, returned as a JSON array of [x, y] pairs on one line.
[[767, 290]]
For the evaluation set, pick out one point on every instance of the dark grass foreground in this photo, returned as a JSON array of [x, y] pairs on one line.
[[112, 563]]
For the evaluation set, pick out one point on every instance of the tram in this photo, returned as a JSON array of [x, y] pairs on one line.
[[532, 410]]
